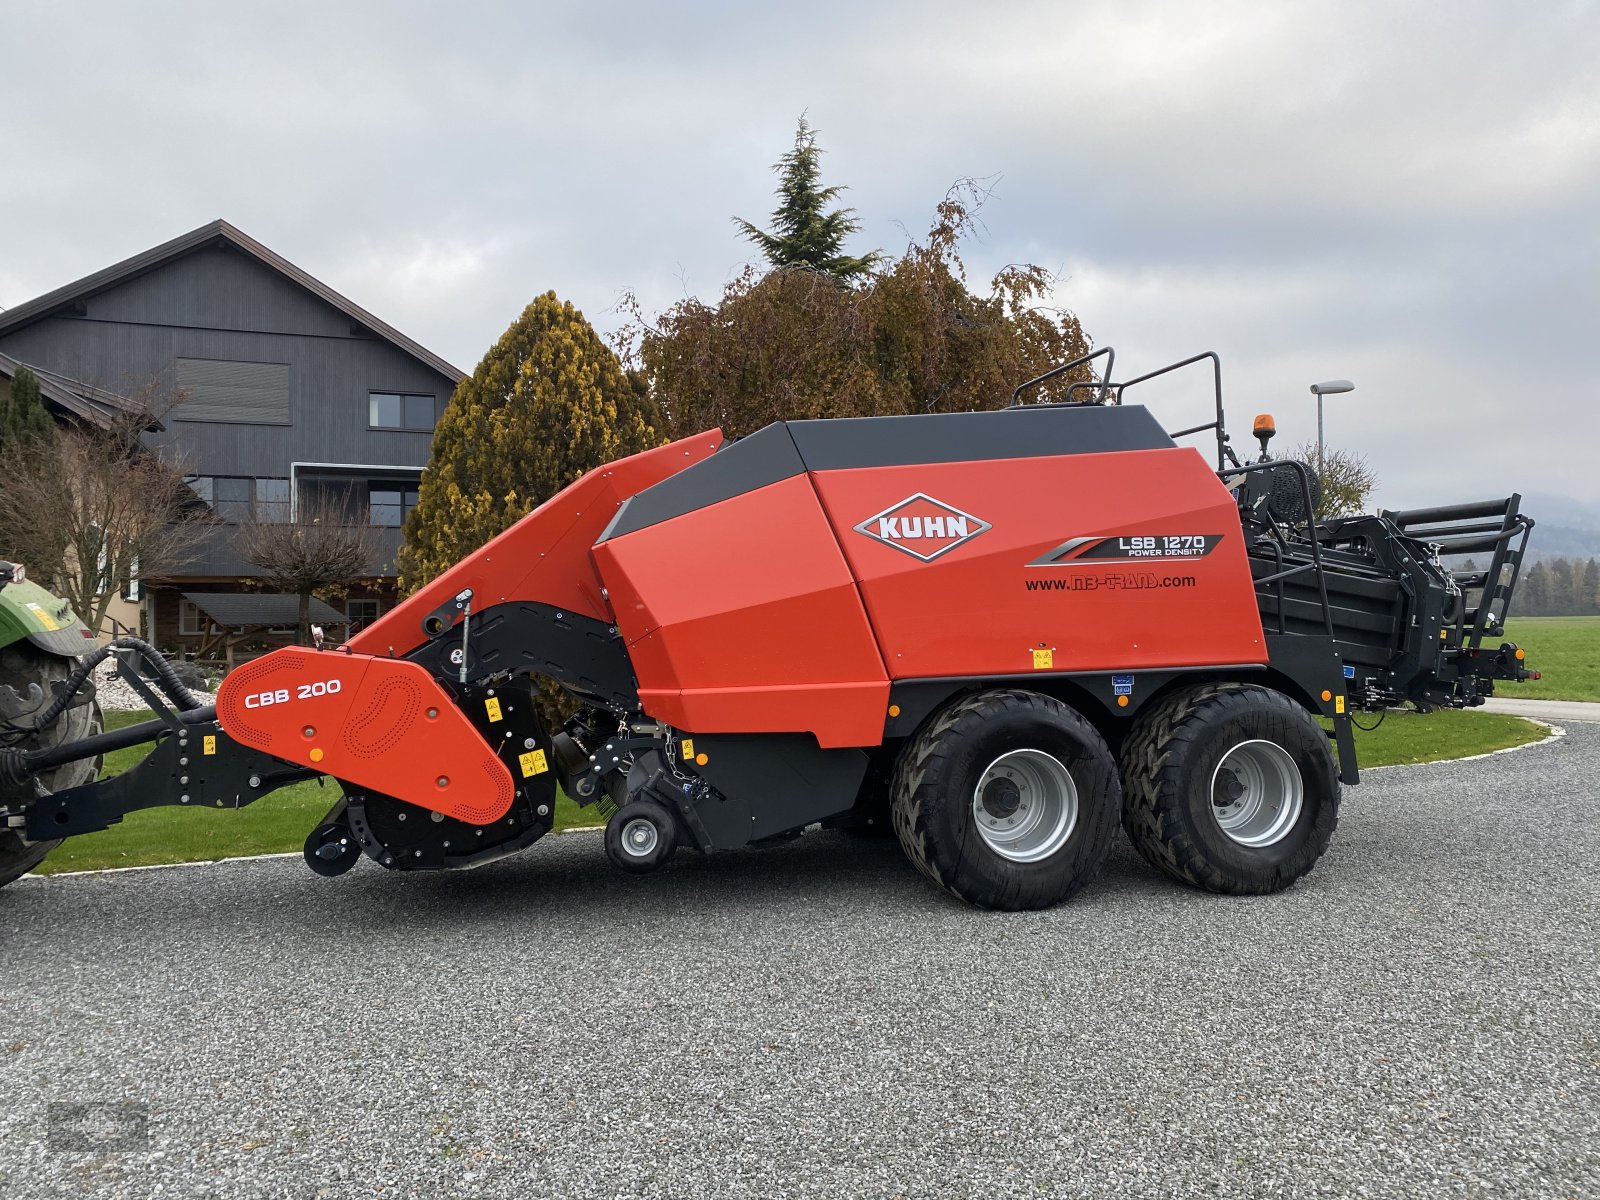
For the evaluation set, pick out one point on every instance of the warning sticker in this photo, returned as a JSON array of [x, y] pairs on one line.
[[1122, 685], [208, 744], [492, 707], [688, 749], [45, 618], [1044, 660], [532, 763]]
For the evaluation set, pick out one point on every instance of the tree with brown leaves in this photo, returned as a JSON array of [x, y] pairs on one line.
[[93, 508], [910, 338]]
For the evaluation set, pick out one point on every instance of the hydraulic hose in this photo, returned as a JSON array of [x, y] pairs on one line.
[[166, 677]]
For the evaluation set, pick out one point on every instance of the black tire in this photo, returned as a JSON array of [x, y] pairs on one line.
[[634, 848], [936, 800], [1171, 782], [22, 664]]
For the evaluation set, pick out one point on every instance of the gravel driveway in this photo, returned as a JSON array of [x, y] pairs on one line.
[[1417, 1018]]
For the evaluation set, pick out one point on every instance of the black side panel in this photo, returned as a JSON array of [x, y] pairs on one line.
[[766, 456], [1025, 432], [576, 651], [787, 780]]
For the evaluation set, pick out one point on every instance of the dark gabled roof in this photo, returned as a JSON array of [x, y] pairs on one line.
[[92, 404], [218, 232], [251, 610]]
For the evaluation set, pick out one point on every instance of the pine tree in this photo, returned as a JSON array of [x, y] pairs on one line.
[[548, 402], [1561, 589], [1589, 589], [23, 419], [803, 232], [1532, 597]]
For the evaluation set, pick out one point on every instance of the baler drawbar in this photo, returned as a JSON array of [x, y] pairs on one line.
[[998, 634]]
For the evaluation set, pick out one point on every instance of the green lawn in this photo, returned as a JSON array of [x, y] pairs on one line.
[[1566, 650], [1409, 737], [278, 822]]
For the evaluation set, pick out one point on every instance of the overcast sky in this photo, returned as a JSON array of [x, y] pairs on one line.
[[1404, 194]]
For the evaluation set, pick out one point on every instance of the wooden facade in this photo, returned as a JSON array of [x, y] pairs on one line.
[[289, 370]]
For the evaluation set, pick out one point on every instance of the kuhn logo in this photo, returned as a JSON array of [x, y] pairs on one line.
[[922, 527]]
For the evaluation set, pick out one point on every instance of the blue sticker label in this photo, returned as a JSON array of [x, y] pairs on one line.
[[1349, 672], [1122, 685]]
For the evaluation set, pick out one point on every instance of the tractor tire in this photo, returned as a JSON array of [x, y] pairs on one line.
[[1007, 799], [22, 664], [1230, 788]]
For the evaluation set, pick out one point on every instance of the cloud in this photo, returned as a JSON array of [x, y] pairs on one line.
[[1401, 194]]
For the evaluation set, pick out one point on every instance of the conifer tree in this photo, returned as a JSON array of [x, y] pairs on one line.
[[23, 420], [803, 232], [548, 402], [1532, 597]]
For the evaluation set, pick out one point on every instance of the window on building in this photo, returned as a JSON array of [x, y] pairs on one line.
[[191, 621], [240, 393], [389, 504], [402, 410], [235, 497], [272, 500], [360, 613], [230, 496]]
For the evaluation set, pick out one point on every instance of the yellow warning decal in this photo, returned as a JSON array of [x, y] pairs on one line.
[[208, 744], [45, 618], [532, 763], [688, 749], [1338, 704], [492, 707], [1044, 660]]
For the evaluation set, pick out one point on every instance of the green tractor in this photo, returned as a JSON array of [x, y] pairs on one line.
[[41, 640]]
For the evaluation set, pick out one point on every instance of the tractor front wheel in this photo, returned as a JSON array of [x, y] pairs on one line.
[[22, 665], [1007, 799], [1229, 787]]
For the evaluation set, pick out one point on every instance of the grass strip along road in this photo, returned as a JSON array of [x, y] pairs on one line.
[[280, 822], [1565, 649]]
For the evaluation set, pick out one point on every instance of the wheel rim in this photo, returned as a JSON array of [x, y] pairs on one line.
[[1025, 806], [639, 838], [1257, 793]]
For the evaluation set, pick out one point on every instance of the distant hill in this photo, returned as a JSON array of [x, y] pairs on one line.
[[1562, 541], [1566, 528]]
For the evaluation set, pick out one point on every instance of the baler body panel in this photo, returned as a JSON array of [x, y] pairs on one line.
[[742, 617], [957, 564], [378, 723], [546, 556], [782, 584]]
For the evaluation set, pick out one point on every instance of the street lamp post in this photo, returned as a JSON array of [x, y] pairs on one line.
[[1331, 388]]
